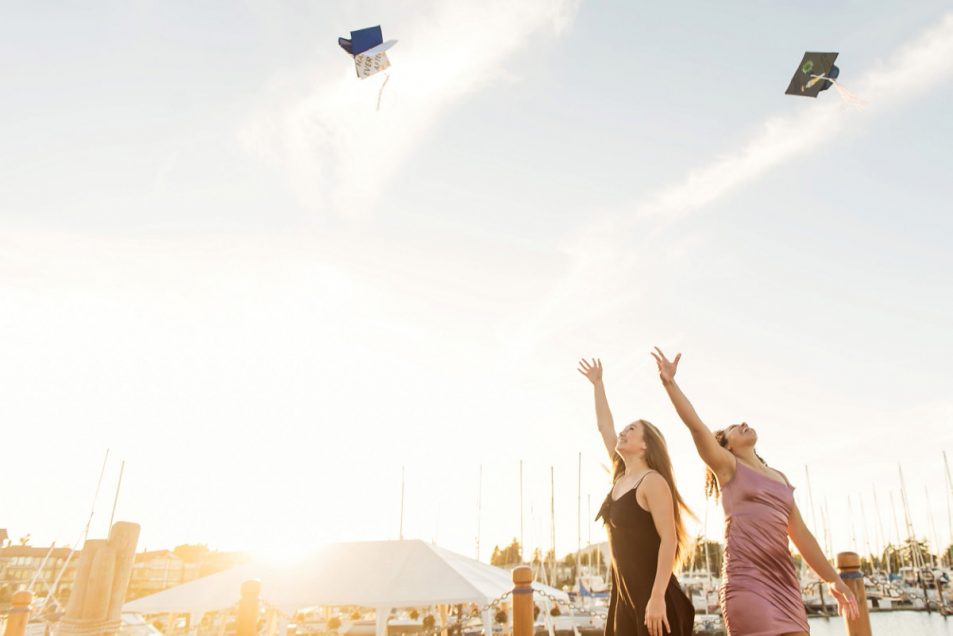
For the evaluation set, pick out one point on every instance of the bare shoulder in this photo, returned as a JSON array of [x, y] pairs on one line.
[[654, 493], [654, 483]]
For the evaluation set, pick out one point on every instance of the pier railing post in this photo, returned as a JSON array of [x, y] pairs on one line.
[[848, 566], [19, 614], [247, 623], [522, 601]]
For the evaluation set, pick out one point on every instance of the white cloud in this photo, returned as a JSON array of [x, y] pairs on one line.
[[616, 259], [338, 152], [915, 68]]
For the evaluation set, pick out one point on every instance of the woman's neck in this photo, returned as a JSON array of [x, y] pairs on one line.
[[748, 456], [634, 465]]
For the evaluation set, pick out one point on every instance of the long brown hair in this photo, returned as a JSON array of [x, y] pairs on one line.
[[712, 488], [656, 456]]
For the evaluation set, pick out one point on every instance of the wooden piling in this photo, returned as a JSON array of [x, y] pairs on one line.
[[84, 565], [848, 565], [99, 586], [99, 589], [247, 623], [522, 601], [19, 614], [123, 539], [444, 611]]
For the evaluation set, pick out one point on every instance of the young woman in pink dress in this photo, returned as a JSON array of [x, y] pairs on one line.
[[760, 593]]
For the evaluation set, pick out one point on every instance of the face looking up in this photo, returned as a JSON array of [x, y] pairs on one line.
[[740, 436], [631, 440]]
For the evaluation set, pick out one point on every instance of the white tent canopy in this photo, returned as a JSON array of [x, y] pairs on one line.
[[374, 574]]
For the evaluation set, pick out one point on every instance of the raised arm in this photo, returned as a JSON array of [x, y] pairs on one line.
[[719, 459], [807, 546], [593, 372]]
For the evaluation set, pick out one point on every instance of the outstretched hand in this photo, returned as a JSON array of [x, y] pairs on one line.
[[846, 601], [592, 370], [666, 367]]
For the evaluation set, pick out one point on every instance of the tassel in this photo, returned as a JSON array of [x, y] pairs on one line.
[[381, 91]]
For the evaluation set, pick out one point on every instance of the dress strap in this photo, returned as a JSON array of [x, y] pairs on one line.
[[642, 478]]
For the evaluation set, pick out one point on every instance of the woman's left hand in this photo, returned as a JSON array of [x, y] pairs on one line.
[[655, 616], [846, 602]]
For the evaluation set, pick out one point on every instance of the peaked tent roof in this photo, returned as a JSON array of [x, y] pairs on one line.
[[374, 574]]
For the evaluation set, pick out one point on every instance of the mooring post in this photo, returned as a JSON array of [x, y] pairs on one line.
[[247, 623], [19, 614], [522, 601], [848, 565]]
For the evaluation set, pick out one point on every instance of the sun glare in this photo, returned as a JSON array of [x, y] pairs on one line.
[[279, 553]]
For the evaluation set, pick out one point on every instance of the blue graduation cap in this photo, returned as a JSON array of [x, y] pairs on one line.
[[368, 48]]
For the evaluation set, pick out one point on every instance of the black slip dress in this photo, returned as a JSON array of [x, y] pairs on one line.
[[634, 544]]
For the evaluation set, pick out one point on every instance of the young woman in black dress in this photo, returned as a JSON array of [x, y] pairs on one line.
[[643, 517]]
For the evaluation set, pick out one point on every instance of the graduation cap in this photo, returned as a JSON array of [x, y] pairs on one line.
[[815, 74], [368, 49]]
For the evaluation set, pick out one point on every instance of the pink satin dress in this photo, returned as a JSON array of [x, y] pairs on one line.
[[760, 595]]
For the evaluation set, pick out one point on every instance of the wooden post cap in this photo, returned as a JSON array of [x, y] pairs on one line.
[[848, 561], [523, 575], [22, 598], [251, 589]]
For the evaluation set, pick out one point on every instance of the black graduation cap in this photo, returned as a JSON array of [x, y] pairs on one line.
[[813, 75]]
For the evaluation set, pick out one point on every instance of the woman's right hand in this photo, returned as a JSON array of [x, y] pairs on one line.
[[592, 370], [846, 601], [666, 367]]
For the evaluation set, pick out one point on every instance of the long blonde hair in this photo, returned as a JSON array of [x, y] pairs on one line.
[[657, 458]]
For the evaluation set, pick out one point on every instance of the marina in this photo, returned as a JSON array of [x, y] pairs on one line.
[[570, 595], [476, 318]]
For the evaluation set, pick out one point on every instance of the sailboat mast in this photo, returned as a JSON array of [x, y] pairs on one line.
[[39, 570], [911, 537], [881, 537], [936, 539], [863, 520], [949, 495], [707, 556], [479, 511], [588, 535], [92, 510], [896, 528], [112, 516], [810, 494], [825, 513], [552, 522], [578, 512], [522, 545], [851, 527], [589, 519], [400, 532]]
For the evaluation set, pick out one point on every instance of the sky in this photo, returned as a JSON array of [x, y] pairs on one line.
[[221, 262]]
